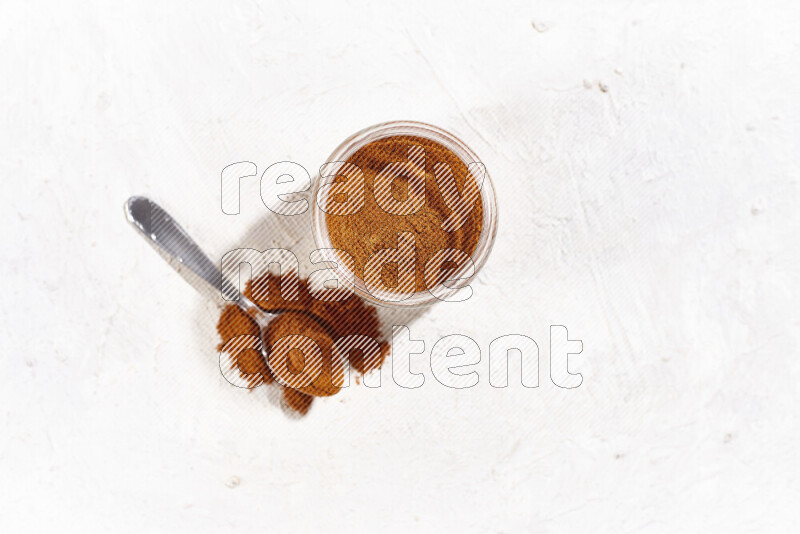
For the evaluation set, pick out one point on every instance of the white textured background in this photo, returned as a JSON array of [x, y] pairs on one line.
[[646, 160]]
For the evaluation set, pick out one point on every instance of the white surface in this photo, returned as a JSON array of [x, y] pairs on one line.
[[657, 220]]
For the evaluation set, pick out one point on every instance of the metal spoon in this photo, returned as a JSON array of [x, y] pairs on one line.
[[158, 227]]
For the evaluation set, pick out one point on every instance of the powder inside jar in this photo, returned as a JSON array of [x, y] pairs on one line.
[[372, 228]]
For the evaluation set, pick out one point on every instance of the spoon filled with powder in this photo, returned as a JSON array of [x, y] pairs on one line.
[[271, 323]]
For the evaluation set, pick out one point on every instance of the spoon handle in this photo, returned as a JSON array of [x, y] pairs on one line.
[[156, 225]]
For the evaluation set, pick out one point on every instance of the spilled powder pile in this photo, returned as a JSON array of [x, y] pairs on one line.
[[323, 322]]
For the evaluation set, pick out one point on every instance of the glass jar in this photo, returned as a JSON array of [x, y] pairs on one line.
[[419, 129]]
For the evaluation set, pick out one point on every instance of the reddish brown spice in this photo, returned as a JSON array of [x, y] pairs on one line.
[[324, 322], [372, 228]]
